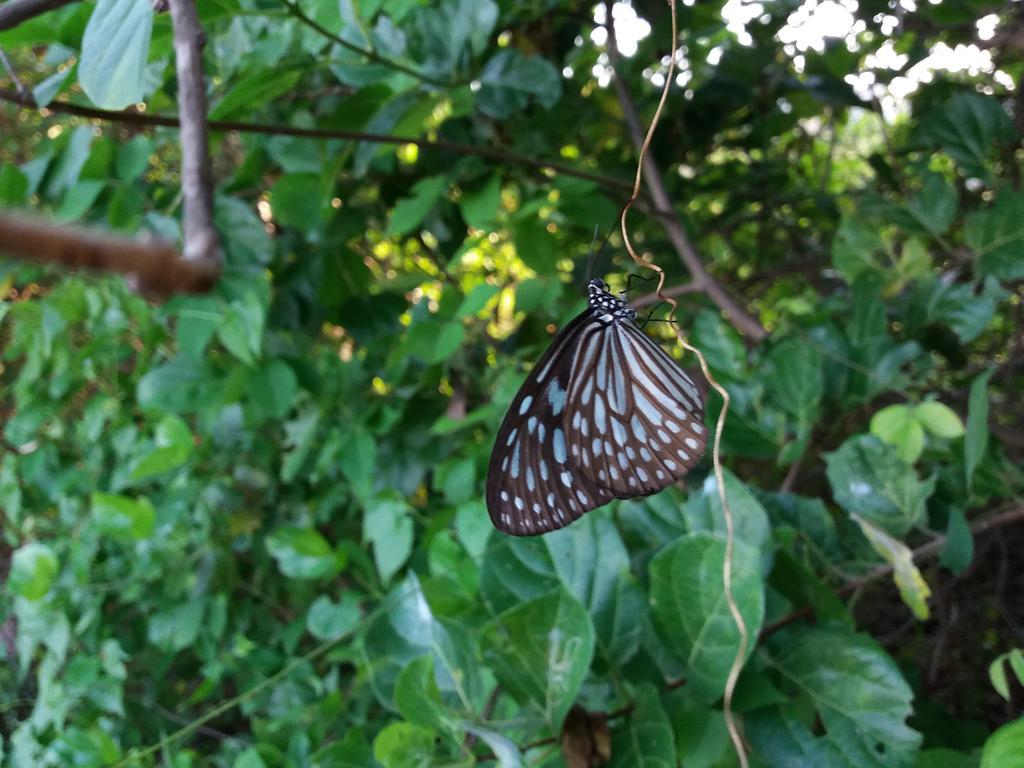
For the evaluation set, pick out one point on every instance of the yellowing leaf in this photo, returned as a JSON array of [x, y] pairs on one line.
[[913, 588]]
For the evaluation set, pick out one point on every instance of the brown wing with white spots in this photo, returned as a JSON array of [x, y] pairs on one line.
[[635, 420], [532, 486]]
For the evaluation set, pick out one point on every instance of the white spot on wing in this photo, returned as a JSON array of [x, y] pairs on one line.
[[525, 405]]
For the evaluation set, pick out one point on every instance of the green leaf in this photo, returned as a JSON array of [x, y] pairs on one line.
[[175, 628], [273, 389], [387, 525], [1005, 747], [997, 671], [996, 236], [476, 299], [404, 745], [939, 419], [857, 248], [295, 200], [796, 379], [480, 207], [976, 435], [509, 79], [868, 478], [34, 567], [720, 343], [913, 588], [241, 330], [645, 739], [112, 67], [410, 211], [959, 550], [418, 698], [303, 553], [857, 690], [253, 91], [406, 630], [590, 560], [123, 518], [249, 758], [328, 620], [358, 459], [13, 185], [535, 246], [133, 158], [704, 512], [174, 446], [967, 127], [690, 610], [935, 205], [78, 200], [179, 385], [780, 738], [541, 651], [897, 426]]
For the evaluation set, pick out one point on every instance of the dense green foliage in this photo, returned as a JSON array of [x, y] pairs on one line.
[[266, 503]]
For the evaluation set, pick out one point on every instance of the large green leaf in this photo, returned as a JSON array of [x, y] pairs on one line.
[[253, 91], [857, 690], [540, 651], [690, 609], [407, 629], [387, 525], [114, 50], [590, 560], [869, 478], [121, 517]]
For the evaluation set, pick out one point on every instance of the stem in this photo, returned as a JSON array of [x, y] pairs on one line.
[[201, 243], [135, 118]]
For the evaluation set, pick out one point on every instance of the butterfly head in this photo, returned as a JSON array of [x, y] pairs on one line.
[[606, 305]]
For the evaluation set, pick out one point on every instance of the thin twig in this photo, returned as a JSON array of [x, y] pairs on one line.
[[13, 12], [926, 551], [20, 86], [730, 536], [156, 264], [201, 243], [297, 12], [700, 277], [135, 118]]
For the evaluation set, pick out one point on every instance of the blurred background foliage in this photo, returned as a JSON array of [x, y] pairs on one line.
[[265, 504]]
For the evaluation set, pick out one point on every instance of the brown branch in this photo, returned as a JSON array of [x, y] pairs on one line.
[[155, 264], [201, 242], [700, 277], [135, 118], [13, 12], [924, 552]]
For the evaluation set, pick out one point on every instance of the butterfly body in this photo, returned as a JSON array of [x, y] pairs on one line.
[[604, 414]]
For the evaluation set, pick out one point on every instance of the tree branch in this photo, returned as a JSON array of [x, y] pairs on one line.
[[924, 552], [700, 277], [136, 118], [154, 264], [13, 12], [201, 242], [297, 12]]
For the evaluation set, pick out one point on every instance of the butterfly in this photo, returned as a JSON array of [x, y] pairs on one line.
[[604, 414]]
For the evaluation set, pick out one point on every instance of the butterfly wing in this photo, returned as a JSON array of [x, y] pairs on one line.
[[532, 486], [635, 420]]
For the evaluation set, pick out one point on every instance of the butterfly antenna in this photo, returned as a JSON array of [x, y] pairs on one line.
[[591, 254]]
